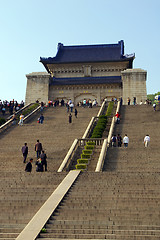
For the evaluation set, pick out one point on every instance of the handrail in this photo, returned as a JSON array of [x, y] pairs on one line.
[[20, 110], [101, 109], [106, 143], [89, 128], [9, 121], [33, 228], [69, 155], [83, 141], [102, 156], [35, 110], [113, 124], [73, 148]]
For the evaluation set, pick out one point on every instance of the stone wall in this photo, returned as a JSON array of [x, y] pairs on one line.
[[78, 93], [37, 87], [134, 85]]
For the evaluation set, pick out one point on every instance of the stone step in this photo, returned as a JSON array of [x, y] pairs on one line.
[[96, 225], [98, 236], [101, 231]]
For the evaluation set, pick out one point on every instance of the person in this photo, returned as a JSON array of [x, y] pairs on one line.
[[141, 102], [21, 119], [28, 167], [39, 164], [25, 152], [128, 100], [43, 157], [3, 110], [41, 119], [146, 140], [42, 106], [154, 106], [125, 141], [117, 116], [119, 139], [134, 100], [71, 107], [70, 118], [13, 119], [38, 148], [113, 140], [75, 112]]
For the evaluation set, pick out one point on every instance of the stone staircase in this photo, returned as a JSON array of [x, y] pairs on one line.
[[22, 194], [123, 201]]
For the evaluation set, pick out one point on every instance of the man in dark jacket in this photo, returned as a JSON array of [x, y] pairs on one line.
[[43, 157], [29, 165], [25, 152], [38, 148]]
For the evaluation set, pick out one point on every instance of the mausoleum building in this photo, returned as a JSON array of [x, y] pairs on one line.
[[87, 72]]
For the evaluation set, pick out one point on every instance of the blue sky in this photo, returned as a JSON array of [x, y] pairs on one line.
[[31, 29]]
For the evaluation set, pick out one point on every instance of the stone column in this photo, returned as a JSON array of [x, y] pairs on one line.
[[37, 87], [134, 85]]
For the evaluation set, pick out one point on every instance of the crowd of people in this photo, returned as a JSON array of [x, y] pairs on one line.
[[10, 106], [134, 101], [118, 141], [41, 162], [84, 103]]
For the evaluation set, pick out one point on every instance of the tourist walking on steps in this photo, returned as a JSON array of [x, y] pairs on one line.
[[41, 119], [75, 112], [39, 164], [125, 141], [25, 152], [21, 120], [146, 140], [28, 167], [113, 140], [119, 139], [128, 100], [43, 157], [154, 106], [117, 117], [38, 148], [70, 118]]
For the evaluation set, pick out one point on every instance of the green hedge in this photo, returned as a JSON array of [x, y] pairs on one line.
[[82, 161], [81, 166], [28, 110], [2, 121], [109, 109], [90, 143], [87, 152], [90, 147], [100, 127], [85, 156]]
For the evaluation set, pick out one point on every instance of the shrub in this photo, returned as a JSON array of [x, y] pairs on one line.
[[96, 136], [2, 121], [109, 109], [81, 166], [89, 147], [85, 156], [82, 161], [91, 143], [87, 152]]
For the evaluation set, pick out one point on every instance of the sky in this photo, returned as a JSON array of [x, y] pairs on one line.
[[30, 29]]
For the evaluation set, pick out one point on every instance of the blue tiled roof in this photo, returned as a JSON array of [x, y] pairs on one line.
[[85, 80], [88, 53]]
